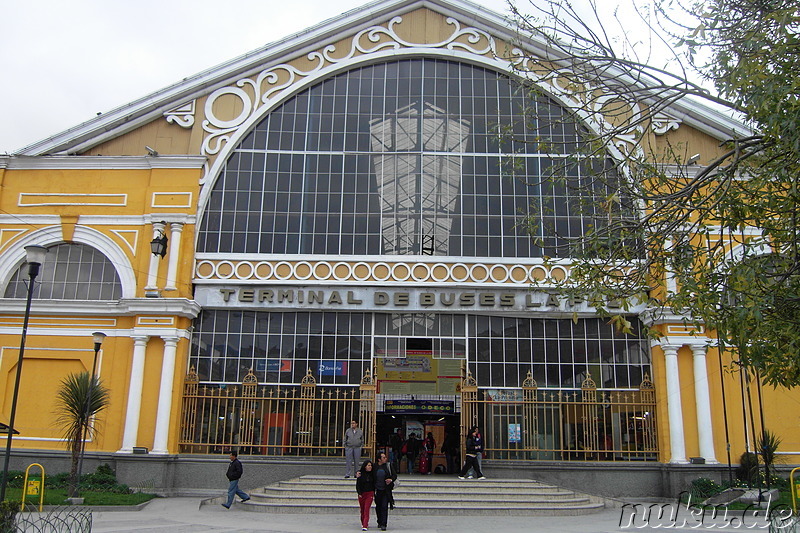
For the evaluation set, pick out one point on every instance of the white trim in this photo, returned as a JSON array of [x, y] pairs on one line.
[[63, 198], [101, 162], [127, 307], [155, 205]]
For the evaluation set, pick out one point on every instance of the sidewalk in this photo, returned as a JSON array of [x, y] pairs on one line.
[[184, 515]]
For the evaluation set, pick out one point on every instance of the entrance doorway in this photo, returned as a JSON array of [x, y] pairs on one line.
[[392, 430]]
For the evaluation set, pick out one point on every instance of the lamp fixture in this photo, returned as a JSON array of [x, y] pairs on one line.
[[159, 244], [694, 159]]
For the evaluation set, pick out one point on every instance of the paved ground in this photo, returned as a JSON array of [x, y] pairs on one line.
[[185, 515]]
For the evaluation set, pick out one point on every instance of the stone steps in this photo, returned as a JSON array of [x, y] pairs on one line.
[[416, 495]]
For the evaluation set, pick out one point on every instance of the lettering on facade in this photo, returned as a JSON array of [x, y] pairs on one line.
[[414, 299]]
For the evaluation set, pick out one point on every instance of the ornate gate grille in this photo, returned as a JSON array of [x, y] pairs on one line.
[[584, 425], [303, 420]]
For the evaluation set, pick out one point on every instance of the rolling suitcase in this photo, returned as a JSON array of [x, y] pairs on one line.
[[425, 464]]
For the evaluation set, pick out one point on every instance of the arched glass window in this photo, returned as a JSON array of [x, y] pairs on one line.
[[70, 272], [403, 158]]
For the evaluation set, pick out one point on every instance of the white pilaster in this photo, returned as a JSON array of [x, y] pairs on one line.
[[676, 438], [176, 228], [134, 408], [165, 396], [705, 431], [152, 273]]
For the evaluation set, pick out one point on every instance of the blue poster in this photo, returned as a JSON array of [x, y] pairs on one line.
[[332, 368], [514, 433]]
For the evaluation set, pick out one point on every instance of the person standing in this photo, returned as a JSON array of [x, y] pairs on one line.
[[234, 473], [450, 450], [365, 486], [396, 443], [353, 442], [384, 480], [474, 447], [412, 447]]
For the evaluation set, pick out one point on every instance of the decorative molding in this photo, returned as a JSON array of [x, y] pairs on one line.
[[129, 236], [53, 199], [274, 83], [159, 200], [155, 321], [183, 115], [8, 235], [587, 99], [297, 269], [662, 123]]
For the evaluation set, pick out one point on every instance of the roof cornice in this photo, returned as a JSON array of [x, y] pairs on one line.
[[102, 162], [151, 107]]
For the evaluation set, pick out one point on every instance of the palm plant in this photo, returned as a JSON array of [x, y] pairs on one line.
[[78, 399], [768, 444]]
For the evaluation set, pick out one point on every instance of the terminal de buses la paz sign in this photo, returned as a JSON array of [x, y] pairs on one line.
[[413, 299]]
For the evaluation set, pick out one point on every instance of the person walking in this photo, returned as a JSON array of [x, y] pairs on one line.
[[365, 486], [474, 447], [384, 480], [353, 442], [479, 454], [234, 473]]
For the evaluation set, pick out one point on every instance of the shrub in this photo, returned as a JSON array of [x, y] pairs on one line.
[[703, 488], [8, 511], [748, 468]]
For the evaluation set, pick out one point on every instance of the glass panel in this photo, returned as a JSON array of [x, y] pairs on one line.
[[421, 169]]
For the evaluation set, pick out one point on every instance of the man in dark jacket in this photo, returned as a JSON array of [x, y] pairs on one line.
[[234, 473], [384, 481], [474, 446]]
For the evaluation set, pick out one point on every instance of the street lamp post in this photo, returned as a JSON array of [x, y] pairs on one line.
[[98, 337], [35, 257]]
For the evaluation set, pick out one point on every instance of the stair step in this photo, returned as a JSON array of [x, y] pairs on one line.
[[471, 509], [443, 493], [419, 501], [423, 495]]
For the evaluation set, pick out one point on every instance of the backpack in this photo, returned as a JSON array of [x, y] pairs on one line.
[[404, 448]]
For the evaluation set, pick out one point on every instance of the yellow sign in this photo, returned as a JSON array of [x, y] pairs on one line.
[[34, 485]]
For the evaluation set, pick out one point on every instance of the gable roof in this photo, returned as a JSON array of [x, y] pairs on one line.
[[127, 117]]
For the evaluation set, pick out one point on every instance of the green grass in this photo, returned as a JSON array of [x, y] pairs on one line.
[[59, 496]]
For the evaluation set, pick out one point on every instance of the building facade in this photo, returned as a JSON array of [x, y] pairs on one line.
[[344, 241]]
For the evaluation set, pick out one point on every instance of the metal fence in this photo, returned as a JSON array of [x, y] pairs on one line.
[[261, 420], [517, 424], [584, 425], [62, 519]]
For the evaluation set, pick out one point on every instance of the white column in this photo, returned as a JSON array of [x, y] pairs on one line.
[[134, 408], [152, 274], [176, 228], [705, 431], [165, 396], [676, 438]]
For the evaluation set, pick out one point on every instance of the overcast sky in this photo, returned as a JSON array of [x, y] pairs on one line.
[[65, 61]]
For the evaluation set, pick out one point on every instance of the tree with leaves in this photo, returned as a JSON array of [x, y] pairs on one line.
[[710, 239], [78, 401]]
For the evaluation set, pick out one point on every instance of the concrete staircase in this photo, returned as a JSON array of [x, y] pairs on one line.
[[424, 495]]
